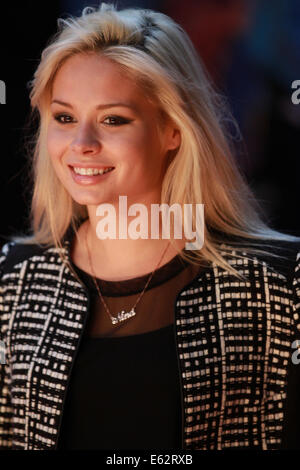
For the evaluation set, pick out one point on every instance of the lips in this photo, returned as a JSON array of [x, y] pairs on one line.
[[91, 165], [91, 171], [90, 179], [84, 165]]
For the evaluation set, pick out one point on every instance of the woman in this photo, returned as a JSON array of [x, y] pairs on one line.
[[142, 343]]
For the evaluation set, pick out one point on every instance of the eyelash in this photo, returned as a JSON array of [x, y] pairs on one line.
[[120, 120]]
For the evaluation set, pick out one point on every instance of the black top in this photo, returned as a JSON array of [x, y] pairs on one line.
[[124, 391], [124, 394]]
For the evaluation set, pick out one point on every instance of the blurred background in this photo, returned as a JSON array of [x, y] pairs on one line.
[[251, 49]]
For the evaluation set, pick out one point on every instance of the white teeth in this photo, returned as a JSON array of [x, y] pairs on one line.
[[91, 171]]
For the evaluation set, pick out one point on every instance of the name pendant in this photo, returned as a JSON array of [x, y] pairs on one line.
[[121, 316]]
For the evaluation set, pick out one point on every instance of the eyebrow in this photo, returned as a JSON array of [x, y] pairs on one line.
[[100, 106]]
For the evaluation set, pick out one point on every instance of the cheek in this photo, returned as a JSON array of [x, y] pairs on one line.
[[127, 149], [142, 146], [56, 143]]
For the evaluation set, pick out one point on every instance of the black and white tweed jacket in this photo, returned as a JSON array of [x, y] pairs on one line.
[[233, 343]]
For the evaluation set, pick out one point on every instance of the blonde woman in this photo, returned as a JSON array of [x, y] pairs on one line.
[[142, 343]]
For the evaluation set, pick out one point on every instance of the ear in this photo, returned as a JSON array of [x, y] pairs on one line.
[[173, 140]]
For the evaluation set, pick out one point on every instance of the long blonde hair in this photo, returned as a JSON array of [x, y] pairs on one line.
[[159, 54]]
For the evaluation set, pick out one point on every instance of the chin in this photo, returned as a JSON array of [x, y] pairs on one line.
[[88, 201], [91, 200]]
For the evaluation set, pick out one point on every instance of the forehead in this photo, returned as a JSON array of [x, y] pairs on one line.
[[87, 77]]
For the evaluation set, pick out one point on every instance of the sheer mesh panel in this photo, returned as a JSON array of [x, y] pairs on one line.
[[155, 309]]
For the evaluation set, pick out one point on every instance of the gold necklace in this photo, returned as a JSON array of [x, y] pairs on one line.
[[123, 315]]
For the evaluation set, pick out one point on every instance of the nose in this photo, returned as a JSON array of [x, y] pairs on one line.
[[85, 141]]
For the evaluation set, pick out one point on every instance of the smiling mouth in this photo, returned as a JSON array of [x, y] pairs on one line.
[[91, 171]]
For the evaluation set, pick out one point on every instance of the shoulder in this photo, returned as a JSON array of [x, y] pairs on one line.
[[287, 257], [280, 256], [13, 253]]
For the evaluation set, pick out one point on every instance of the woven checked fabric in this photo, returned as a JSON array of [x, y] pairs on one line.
[[233, 340]]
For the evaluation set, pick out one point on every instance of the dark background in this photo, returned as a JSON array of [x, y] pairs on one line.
[[251, 49]]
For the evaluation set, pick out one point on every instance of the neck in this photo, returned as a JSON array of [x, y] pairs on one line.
[[125, 258]]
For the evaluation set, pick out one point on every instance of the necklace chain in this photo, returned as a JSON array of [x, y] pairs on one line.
[[121, 316]]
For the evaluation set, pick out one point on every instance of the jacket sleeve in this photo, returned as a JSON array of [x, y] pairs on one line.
[[296, 293], [291, 432], [5, 401]]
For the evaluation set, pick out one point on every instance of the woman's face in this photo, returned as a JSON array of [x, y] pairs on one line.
[[101, 119]]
